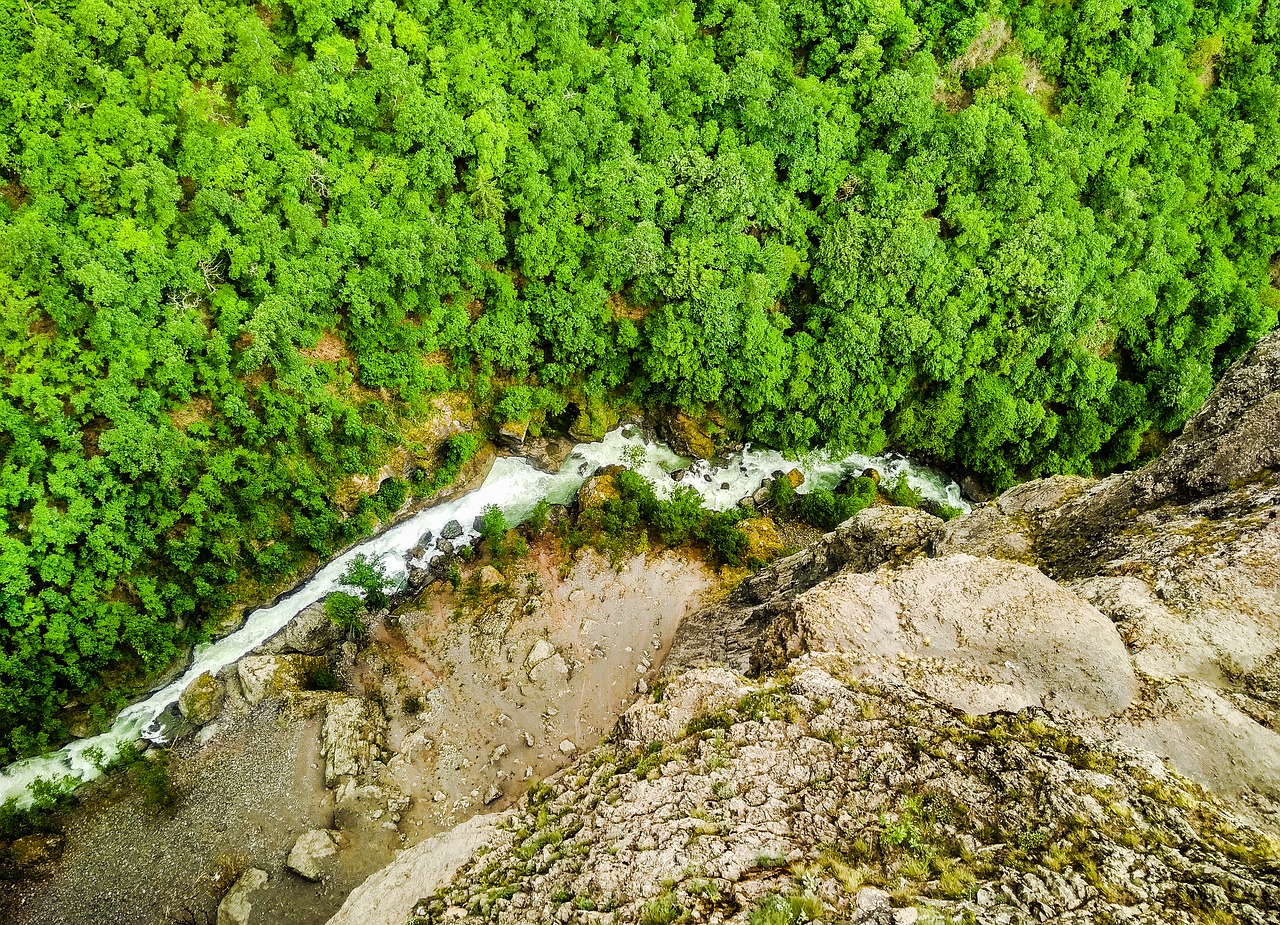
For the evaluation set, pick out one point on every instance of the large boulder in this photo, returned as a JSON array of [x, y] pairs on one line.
[[686, 436], [980, 634], [201, 701], [387, 897], [311, 631], [352, 739], [237, 905], [598, 489], [269, 676], [313, 854]]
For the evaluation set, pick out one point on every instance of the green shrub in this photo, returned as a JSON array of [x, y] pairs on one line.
[[902, 494], [370, 576], [346, 610], [493, 530]]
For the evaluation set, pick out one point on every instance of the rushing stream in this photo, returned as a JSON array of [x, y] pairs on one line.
[[515, 486]]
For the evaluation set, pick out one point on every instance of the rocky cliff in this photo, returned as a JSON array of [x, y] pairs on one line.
[[1061, 707]]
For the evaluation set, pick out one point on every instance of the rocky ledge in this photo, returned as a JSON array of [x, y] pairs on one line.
[[1060, 707]]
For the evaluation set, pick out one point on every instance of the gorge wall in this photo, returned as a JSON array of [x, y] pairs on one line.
[[1062, 706]]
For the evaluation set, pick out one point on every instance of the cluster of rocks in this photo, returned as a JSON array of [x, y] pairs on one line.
[[815, 793], [1061, 707]]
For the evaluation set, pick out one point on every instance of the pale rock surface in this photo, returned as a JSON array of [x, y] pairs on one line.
[[387, 897], [267, 676], [312, 854], [980, 634], [237, 905], [353, 738]]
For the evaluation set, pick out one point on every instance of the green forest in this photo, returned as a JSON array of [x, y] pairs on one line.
[[243, 246]]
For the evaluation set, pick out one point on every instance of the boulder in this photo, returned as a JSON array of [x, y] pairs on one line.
[[311, 631], [550, 672], [491, 578], [541, 651], [312, 855], [201, 701], [237, 905], [511, 435], [451, 531], [686, 436], [795, 477], [387, 897], [598, 489], [547, 453], [352, 739], [266, 676]]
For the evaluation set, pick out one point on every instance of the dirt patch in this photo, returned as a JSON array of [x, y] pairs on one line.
[[984, 47], [619, 307], [198, 409], [329, 349]]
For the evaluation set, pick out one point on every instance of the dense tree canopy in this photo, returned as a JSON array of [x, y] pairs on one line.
[[1019, 237]]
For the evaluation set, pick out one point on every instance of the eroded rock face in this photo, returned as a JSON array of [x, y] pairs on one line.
[[754, 627], [766, 803], [979, 634], [202, 700]]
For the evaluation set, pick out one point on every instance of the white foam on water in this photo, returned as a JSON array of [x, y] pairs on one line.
[[515, 486]]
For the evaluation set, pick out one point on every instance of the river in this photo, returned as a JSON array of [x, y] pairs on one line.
[[514, 485]]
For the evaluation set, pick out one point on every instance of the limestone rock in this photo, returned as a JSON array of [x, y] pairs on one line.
[[237, 905], [798, 765], [201, 701], [352, 739], [598, 489], [541, 651], [264, 676], [387, 897], [979, 634], [311, 631], [550, 672], [491, 578], [312, 854], [700, 692]]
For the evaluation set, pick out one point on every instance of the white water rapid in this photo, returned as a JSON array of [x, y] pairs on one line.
[[513, 485]]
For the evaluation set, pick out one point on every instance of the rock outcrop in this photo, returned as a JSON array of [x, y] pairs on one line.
[[201, 701], [811, 790], [1060, 707]]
